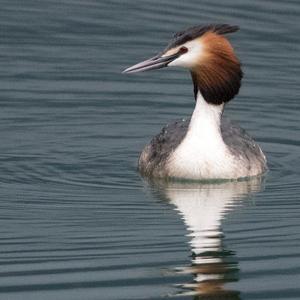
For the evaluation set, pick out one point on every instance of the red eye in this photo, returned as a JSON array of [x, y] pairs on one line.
[[183, 50]]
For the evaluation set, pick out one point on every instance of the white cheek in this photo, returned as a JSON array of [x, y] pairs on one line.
[[189, 59]]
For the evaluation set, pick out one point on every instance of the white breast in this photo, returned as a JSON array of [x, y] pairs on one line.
[[203, 154]]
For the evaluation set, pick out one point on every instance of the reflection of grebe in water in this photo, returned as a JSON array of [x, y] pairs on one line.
[[202, 207]]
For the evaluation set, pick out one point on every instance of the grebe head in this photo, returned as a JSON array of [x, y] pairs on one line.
[[215, 69]]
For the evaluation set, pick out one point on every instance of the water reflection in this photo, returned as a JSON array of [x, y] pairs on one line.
[[203, 207]]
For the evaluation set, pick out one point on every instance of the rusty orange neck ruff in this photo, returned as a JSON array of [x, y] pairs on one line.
[[217, 74]]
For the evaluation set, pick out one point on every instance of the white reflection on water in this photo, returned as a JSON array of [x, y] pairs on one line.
[[202, 208]]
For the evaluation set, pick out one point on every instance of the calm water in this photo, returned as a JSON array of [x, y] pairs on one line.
[[76, 220]]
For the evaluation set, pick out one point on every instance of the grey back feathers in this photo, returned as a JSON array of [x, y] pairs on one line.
[[153, 159]]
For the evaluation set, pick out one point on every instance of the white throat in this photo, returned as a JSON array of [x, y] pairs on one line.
[[206, 120], [202, 154]]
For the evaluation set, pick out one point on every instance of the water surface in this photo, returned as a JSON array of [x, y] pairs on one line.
[[76, 220]]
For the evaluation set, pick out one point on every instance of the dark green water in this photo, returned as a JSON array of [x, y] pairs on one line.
[[76, 220]]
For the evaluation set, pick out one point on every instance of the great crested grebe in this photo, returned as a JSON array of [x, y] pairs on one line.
[[206, 146]]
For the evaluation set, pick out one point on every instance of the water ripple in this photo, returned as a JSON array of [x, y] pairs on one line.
[[77, 221]]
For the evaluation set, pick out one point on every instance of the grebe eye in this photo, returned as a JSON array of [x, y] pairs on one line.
[[183, 50]]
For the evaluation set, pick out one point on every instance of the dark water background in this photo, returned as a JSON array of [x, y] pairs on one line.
[[76, 220]]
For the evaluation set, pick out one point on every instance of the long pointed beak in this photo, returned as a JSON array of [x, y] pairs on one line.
[[156, 62]]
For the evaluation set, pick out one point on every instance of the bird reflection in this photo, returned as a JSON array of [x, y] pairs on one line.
[[203, 207]]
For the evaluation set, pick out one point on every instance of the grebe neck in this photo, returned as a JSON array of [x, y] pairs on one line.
[[206, 120], [203, 152]]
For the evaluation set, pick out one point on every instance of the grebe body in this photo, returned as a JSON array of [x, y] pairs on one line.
[[208, 145]]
